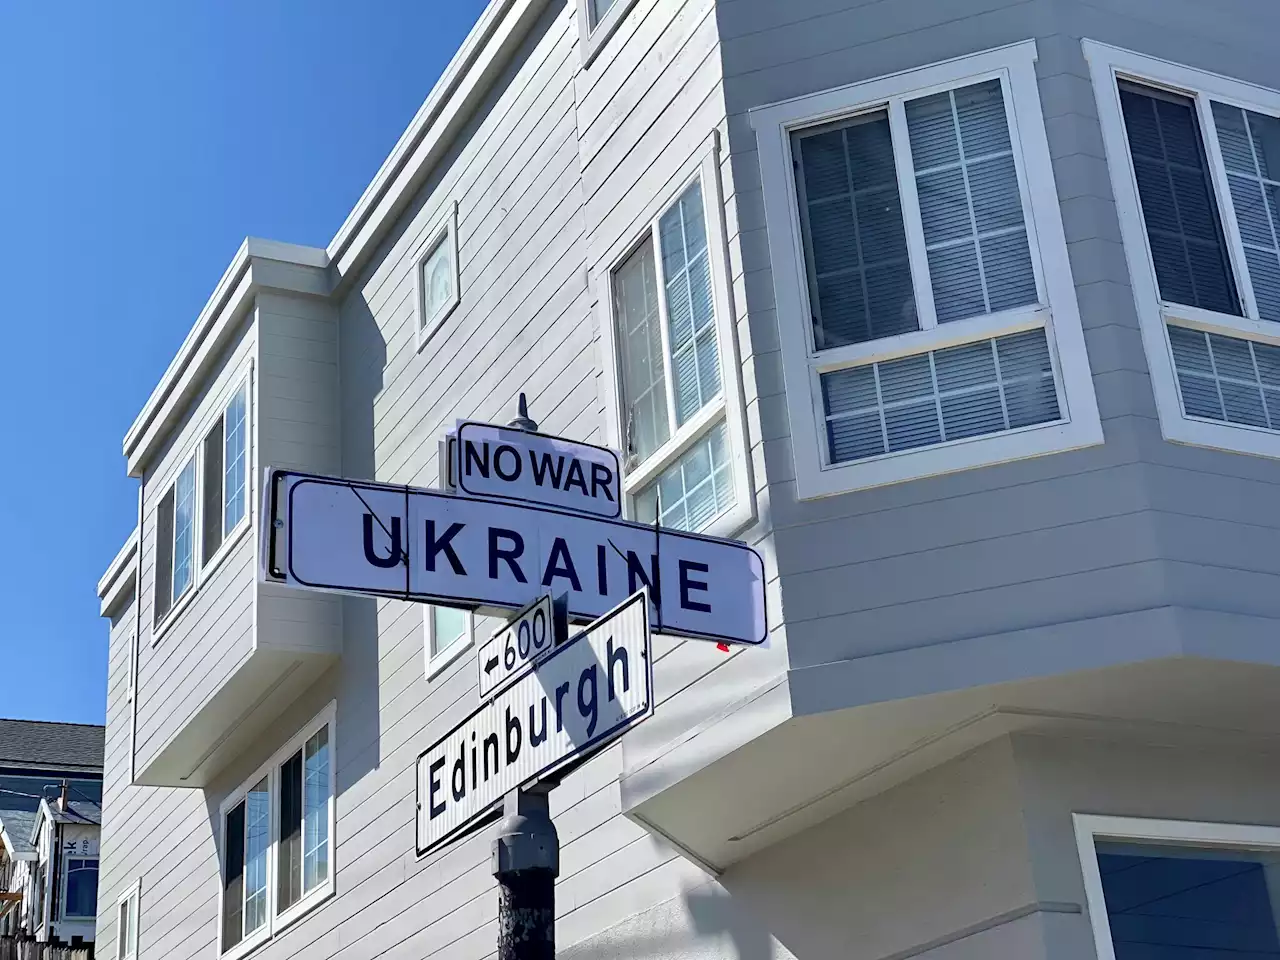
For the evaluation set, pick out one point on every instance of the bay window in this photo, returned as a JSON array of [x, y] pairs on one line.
[[927, 315], [277, 840], [677, 399], [205, 507], [1195, 166]]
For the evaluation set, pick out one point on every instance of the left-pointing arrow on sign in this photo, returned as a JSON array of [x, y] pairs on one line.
[[491, 664]]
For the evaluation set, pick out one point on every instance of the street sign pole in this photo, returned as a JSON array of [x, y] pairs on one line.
[[526, 852]]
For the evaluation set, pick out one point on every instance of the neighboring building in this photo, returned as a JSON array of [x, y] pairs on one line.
[[965, 314], [50, 816]]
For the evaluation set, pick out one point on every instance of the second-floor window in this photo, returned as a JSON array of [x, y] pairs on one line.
[[175, 540], [205, 504], [277, 839], [925, 302], [1196, 172], [225, 473], [678, 396], [81, 892]]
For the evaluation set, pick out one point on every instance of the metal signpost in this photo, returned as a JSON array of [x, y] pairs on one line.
[[528, 517]]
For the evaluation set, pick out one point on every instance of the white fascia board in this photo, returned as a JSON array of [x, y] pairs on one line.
[[502, 27], [223, 308], [119, 575]]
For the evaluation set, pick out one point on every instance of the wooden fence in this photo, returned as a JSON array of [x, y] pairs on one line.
[[14, 949]]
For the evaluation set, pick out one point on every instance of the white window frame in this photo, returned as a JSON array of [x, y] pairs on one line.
[[178, 603], [201, 571], [1107, 66], [703, 167], [133, 897], [1089, 828], [278, 922], [444, 231], [1058, 312], [232, 536], [435, 662], [593, 36], [66, 884]]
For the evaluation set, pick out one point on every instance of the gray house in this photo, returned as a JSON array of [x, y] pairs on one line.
[[964, 313]]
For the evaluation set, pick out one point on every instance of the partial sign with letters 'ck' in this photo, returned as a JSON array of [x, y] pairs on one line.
[[502, 463]]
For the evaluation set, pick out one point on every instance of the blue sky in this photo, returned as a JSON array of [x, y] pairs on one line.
[[139, 144]]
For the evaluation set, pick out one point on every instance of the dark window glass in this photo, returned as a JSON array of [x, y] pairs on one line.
[[1176, 903], [233, 879], [1184, 229], [82, 888], [290, 879]]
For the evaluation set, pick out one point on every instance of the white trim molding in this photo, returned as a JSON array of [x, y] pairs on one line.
[[434, 661], [1109, 66], [702, 169], [1089, 828], [1056, 310], [592, 36], [276, 919], [128, 949], [444, 233]]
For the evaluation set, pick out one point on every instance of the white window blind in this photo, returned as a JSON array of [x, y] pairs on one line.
[[695, 489], [970, 206], [1188, 249], [973, 233], [953, 394], [674, 425], [856, 247], [1250, 144], [437, 279]]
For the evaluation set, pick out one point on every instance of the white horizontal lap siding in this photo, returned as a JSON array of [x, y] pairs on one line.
[[204, 638]]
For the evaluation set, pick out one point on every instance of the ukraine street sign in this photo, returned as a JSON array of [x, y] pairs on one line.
[[334, 535]]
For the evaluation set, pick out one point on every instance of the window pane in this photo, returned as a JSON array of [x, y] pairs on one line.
[[1250, 145], [695, 490], [1227, 378], [967, 391], [1178, 206], [598, 8], [855, 246], [82, 888], [164, 556], [257, 842], [316, 804], [1165, 901], [691, 319], [123, 931], [970, 205], [289, 879], [184, 518], [448, 627], [437, 279], [211, 490], [234, 495], [233, 878], [644, 386]]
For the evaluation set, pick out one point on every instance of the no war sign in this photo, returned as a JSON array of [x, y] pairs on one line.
[[486, 460], [330, 534]]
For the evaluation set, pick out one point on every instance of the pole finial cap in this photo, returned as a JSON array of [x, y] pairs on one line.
[[522, 420]]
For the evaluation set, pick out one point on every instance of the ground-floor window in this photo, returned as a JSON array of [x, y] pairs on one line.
[[1169, 889], [277, 839]]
